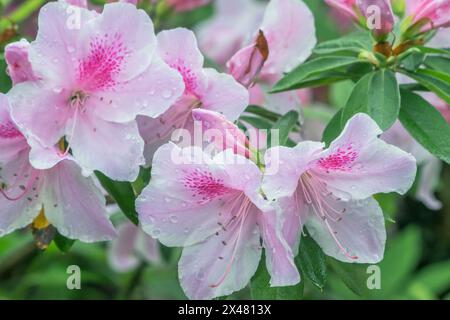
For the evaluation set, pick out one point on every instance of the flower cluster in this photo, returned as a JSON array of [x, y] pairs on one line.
[[100, 92]]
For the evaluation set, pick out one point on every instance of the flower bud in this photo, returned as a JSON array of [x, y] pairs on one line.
[[226, 135], [379, 16], [246, 64], [19, 67]]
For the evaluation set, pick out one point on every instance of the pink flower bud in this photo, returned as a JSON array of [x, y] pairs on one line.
[[186, 5], [246, 64], [227, 134], [345, 6], [19, 67], [434, 13], [378, 14]]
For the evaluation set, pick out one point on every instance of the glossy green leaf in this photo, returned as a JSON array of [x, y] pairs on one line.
[[311, 68], [64, 244], [333, 128], [353, 43], [425, 123], [123, 194], [376, 94], [353, 275], [284, 126], [431, 82], [312, 261]]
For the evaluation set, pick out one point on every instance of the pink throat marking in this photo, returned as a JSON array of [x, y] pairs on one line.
[[204, 185], [189, 77], [8, 130], [341, 159], [105, 60]]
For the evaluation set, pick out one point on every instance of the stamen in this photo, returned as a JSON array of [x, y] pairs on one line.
[[242, 213], [313, 190], [25, 190]]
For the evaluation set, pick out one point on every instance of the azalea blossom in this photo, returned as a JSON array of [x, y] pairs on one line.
[[431, 14], [96, 73], [19, 67], [232, 25], [288, 32], [131, 247], [59, 196], [212, 207], [204, 88], [348, 7], [329, 190], [384, 20]]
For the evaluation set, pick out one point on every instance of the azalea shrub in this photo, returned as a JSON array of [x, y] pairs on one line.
[[225, 149]]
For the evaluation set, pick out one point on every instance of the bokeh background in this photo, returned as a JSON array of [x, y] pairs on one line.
[[417, 258]]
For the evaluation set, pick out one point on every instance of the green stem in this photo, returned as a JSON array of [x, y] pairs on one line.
[[21, 13]]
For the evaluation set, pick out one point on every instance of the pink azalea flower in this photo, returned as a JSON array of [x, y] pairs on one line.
[[186, 5], [386, 18], [19, 67], [211, 206], [347, 7], [69, 201], [131, 246], [233, 23], [289, 31], [330, 190], [436, 13], [247, 63], [205, 88], [225, 134], [97, 73]]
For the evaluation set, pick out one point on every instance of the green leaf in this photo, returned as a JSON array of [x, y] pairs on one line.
[[257, 122], [413, 61], [123, 194], [5, 81], [322, 79], [354, 42], [433, 50], [263, 112], [311, 68], [425, 123], [64, 244], [376, 94], [260, 288], [438, 63], [312, 262], [353, 275], [333, 129], [431, 82], [284, 126]]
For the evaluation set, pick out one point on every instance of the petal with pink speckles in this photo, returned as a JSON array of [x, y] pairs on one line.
[[222, 264], [358, 164], [186, 200], [360, 233], [74, 205]]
